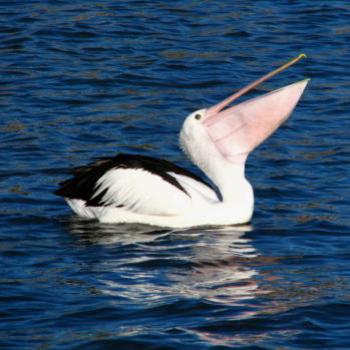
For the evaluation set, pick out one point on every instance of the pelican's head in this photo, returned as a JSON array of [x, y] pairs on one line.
[[232, 133]]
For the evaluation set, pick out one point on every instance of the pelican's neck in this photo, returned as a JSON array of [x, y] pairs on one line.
[[229, 177], [230, 180]]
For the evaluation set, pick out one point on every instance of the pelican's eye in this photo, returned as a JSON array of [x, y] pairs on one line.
[[198, 116]]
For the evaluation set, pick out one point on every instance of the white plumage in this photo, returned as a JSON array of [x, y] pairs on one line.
[[130, 192], [142, 192]]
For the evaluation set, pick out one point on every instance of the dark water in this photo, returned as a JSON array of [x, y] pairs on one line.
[[83, 79]]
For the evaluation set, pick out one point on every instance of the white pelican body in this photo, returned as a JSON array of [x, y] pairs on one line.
[[142, 196], [140, 189]]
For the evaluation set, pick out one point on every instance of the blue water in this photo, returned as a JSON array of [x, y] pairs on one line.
[[85, 79]]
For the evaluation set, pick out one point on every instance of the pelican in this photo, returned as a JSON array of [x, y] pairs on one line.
[[131, 188]]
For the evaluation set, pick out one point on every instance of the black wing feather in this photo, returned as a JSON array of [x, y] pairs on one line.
[[83, 184]]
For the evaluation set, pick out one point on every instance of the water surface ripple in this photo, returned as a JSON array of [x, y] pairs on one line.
[[86, 79]]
